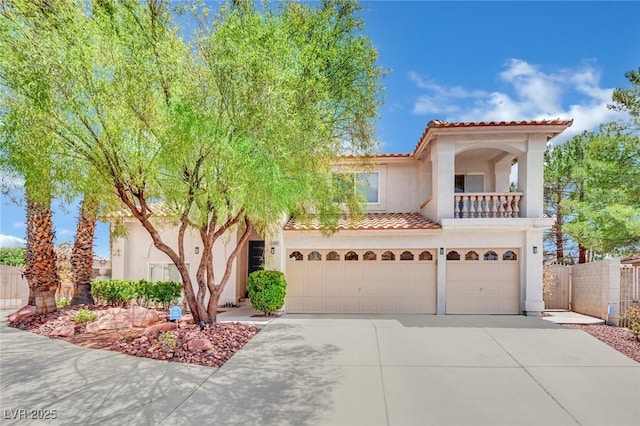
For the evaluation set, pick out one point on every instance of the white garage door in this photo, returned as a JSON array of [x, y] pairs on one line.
[[361, 281], [482, 281]]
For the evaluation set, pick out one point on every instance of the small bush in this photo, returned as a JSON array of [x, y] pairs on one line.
[[85, 315], [267, 290], [631, 316], [168, 341], [61, 303], [122, 292]]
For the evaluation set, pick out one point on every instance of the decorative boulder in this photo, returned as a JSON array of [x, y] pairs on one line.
[[22, 314], [199, 345], [159, 328], [64, 331]]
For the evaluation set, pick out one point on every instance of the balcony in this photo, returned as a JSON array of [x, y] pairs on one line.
[[487, 205]]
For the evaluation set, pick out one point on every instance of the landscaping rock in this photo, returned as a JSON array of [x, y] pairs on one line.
[[159, 328], [116, 318], [22, 314], [143, 317], [64, 331], [200, 345]]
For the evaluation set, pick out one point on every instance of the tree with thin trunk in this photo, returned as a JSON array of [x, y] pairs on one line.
[[231, 131]]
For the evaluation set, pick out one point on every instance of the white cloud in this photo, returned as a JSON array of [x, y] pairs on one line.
[[10, 182], [63, 231], [18, 225], [530, 94], [7, 241], [439, 99]]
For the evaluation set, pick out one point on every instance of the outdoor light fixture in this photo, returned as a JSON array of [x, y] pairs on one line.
[[197, 250], [535, 249], [273, 250], [441, 250]]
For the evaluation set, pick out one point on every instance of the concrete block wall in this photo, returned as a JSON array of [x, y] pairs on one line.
[[594, 287]]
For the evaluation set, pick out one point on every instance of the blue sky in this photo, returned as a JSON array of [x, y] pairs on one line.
[[470, 61]]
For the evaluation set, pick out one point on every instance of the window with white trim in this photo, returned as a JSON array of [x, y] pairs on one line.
[[368, 184], [164, 271], [469, 183]]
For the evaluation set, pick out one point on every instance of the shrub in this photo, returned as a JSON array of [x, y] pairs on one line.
[[267, 290], [85, 315], [61, 303], [164, 292], [121, 292], [114, 292], [168, 341], [631, 317]]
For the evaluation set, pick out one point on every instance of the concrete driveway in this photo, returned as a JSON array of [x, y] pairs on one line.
[[341, 370]]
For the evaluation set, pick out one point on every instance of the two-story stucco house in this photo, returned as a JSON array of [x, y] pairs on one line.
[[442, 234]]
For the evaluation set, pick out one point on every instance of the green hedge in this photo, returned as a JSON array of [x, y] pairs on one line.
[[122, 292], [267, 290]]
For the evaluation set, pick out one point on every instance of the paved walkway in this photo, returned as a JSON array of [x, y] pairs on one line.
[[561, 316], [331, 370]]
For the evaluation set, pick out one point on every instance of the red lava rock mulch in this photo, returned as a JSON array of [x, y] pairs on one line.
[[619, 338], [212, 346]]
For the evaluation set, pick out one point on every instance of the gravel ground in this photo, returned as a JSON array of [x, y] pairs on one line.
[[618, 338], [212, 346]]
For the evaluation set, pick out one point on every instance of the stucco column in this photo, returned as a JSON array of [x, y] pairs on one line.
[[502, 170], [531, 176], [533, 302], [443, 157], [441, 281]]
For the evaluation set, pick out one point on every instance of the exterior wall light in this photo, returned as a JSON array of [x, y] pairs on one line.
[[273, 250], [535, 249], [441, 250], [197, 250]]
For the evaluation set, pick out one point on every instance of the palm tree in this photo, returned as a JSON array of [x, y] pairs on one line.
[[82, 254]]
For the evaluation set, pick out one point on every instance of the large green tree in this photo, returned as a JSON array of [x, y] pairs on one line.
[[605, 208], [230, 131]]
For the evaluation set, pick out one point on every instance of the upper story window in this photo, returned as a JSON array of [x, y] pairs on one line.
[[469, 183], [368, 184]]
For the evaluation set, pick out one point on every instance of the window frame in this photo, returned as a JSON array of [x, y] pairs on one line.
[[162, 264], [465, 184], [355, 174]]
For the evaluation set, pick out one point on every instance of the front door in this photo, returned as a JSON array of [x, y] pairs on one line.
[[256, 256]]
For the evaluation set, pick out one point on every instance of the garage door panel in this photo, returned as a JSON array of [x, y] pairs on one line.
[[371, 286], [332, 270], [313, 305], [424, 305], [313, 288], [332, 288], [332, 305], [426, 289], [350, 304], [295, 304], [388, 305], [350, 288], [369, 271], [482, 286], [351, 271], [368, 304]]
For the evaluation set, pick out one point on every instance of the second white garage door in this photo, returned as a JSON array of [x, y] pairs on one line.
[[361, 281], [482, 281]]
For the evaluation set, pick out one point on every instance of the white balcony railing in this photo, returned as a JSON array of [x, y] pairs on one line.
[[487, 204]]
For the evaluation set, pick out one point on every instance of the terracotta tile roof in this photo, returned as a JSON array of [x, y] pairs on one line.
[[369, 221], [439, 124], [384, 155], [159, 209]]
